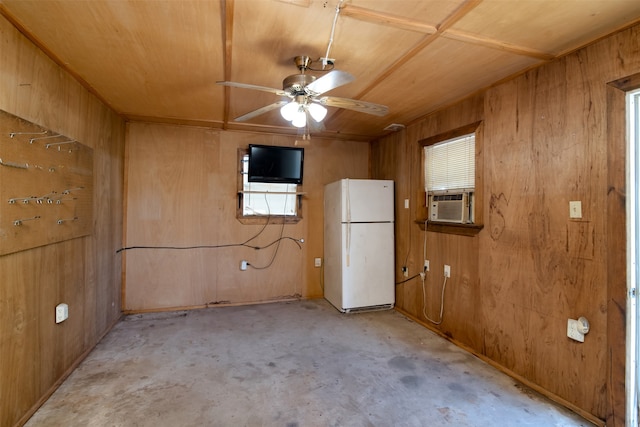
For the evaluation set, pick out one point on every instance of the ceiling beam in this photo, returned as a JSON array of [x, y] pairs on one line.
[[303, 3], [227, 8], [457, 15], [380, 18], [496, 44]]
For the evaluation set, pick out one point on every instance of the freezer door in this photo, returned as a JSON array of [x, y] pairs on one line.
[[367, 265], [366, 200]]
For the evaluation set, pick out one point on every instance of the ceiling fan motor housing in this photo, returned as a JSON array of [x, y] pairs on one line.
[[296, 83]]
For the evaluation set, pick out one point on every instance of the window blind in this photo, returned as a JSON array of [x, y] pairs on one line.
[[451, 164]]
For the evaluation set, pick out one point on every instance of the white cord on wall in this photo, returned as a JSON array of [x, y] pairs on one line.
[[424, 292], [424, 303], [424, 246]]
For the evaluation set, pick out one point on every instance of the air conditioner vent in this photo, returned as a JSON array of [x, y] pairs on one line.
[[454, 207], [443, 197]]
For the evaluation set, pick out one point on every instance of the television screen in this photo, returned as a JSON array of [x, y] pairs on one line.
[[275, 164]]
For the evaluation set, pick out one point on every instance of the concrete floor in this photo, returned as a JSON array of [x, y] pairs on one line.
[[288, 364]]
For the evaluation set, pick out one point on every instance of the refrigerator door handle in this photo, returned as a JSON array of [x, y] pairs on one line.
[[348, 248], [348, 237]]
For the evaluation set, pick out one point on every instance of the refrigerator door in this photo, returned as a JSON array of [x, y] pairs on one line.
[[367, 266], [366, 200], [332, 245]]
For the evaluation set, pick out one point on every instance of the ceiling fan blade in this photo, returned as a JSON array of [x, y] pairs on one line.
[[259, 111], [353, 104], [254, 87], [329, 81]]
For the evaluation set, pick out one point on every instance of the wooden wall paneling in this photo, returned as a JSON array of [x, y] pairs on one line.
[[414, 296], [61, 281], [35, 353], [312, 225], [503, 282], [125, 227], [462, 298], [103, 303], [460, 252], [47, 187], [386, 154], [312, 283], [582, 169], [168, 205], [182, 191], [505, 167], [18, 361], [546, 142], [399, 156], [549, 160]]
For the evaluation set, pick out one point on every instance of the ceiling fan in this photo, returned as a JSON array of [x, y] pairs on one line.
[[306, 107]]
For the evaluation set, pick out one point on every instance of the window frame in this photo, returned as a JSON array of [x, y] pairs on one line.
[[262, 219], [422, 209]]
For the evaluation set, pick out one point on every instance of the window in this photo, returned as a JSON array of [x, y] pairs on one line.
[[449, 180], [266, 199], [449, 168], [451, 165], [260, 202]]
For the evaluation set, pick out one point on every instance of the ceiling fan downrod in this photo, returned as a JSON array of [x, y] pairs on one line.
[[302, 62]]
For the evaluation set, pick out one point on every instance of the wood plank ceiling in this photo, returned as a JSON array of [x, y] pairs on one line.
[[159, 60]]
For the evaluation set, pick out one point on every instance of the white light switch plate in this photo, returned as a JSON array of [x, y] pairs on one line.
[[575, 209]]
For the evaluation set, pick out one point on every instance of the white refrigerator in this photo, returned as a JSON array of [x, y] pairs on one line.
[[359, 244]]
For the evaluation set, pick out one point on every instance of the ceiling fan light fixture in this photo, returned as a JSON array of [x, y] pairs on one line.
[[289, 110], [300, 118], [317, 111]]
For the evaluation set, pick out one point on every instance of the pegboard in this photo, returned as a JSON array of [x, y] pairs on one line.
[[46, 186]]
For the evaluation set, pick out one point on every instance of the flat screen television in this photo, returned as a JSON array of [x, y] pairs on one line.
[[268, 163]]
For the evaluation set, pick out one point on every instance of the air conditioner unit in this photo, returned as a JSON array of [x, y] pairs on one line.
[[452, 207]]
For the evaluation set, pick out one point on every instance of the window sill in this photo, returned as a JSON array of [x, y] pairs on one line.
[[262, 220], [468, 230], [268, 219], [297, 193]]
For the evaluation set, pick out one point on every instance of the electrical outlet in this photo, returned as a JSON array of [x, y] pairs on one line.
[[243, 265], [573, 331], [447, 270], [317, 262], [577, 329], [426, 265], [405, 271], [62, 312]]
